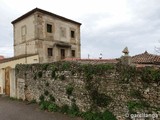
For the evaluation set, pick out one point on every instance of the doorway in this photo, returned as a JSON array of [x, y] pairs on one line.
[[62, 54], [7, 81]]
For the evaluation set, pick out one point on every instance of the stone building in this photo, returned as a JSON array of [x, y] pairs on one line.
[[51, 36], [39, 37]]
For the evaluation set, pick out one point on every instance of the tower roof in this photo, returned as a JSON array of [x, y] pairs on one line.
[[44, 12]]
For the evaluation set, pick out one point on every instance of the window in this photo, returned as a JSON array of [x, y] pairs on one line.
[[73, 53], [72, 34], [50, 52], [23, 30], [63, 32], [49, 28]]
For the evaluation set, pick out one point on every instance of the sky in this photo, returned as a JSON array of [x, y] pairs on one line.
[[108, 26]]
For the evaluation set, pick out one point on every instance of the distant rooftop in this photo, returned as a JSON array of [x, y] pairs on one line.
[[1, 57], [146, 58], [44, 12]]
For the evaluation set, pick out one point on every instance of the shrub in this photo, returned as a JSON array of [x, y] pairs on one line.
[[64, 109], [44, 105], [133, 105], [74, 110], [65, 65], [52, 107], [107, 115]]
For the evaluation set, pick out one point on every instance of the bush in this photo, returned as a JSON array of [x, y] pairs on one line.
[[52, 107], [64, 109], [44, 105], [135, 105], [74, 110], [107, 115]]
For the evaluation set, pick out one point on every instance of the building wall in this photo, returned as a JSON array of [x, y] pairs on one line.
[[31, 36], [24, 35], [60, 33], [12, 64]]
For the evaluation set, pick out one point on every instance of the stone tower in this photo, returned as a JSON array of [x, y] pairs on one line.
[[51, 36]]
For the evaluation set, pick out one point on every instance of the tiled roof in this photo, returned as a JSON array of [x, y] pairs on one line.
[[146, 58], [92, 61]]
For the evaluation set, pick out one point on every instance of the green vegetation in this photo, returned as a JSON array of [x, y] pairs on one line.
[[69, 90], [150, 74], [52, 107], [106, 115], [93, 77], [137, 105]]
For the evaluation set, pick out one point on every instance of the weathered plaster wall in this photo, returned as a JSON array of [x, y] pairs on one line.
[[24, 31], [31, 37], [119, 89], [11, 64]]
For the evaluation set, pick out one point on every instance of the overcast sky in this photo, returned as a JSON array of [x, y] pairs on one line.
[[108, 26]]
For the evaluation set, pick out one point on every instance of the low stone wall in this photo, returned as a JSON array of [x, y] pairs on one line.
[[123, 90]]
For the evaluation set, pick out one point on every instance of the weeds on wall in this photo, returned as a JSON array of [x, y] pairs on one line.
[[135, 106], [69, 90], [150, 74]]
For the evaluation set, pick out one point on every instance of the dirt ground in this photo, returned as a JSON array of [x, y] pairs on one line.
[[18, 110]]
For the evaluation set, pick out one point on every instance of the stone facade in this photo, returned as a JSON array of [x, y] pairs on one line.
[[50, 36], [94, 87]]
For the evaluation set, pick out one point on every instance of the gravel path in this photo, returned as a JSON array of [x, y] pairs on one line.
[[16, 110]]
